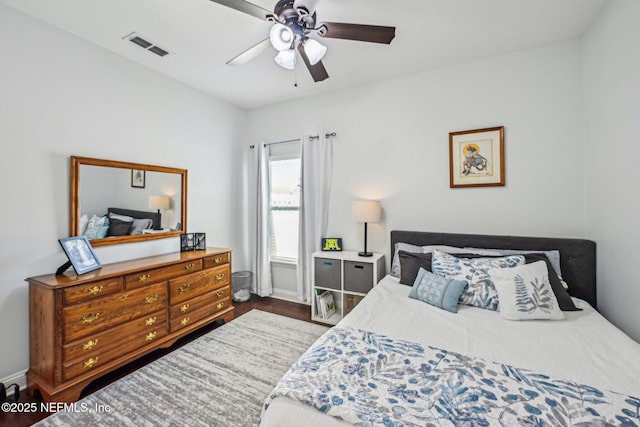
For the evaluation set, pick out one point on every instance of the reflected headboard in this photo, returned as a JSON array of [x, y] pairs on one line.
[[577, 256], [154, 216]]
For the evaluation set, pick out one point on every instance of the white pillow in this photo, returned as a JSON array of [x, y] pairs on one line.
[[84, 221], [124, 218], [525, 292]]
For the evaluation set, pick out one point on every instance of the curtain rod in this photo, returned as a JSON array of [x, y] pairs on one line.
[[311, 138]]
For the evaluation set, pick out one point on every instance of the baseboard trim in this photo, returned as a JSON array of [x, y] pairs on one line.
[[19, 378], [285, 295]]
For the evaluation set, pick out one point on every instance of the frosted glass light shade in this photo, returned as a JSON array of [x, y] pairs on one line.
[[366, 211], [159, 202], [281, 37], [286, 59], [314, 50]]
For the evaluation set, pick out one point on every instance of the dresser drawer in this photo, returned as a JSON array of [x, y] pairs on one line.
[[128, 341], [91, 317], [97, 289], [111, 340], [179, 322], [214, 261], [186, 308], [187, 287], [153, 275]]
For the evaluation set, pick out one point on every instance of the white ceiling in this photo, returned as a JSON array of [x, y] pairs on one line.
[[202, 36]]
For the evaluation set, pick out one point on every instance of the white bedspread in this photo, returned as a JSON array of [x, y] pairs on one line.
[[584, 347]]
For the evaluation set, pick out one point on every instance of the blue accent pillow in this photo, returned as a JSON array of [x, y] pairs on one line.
[[437, 291]]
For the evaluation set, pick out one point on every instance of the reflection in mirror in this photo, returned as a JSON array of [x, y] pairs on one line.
[[117, 202]]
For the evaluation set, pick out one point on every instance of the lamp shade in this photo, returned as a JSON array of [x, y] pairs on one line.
[[286, 59], [159, 202], [366, 211], [314, 50], [281, 37]]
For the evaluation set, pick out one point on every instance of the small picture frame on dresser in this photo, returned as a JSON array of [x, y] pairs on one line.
[[193, 242], [80, 254]]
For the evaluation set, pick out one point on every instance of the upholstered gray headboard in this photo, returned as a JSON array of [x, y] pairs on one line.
[[154, 216], [577, 256]]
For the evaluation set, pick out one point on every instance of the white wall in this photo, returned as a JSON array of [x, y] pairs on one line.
[[392, 145], [611, 79], [61, 96]]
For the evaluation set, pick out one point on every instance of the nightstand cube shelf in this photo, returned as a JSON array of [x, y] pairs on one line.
[[347, 277]]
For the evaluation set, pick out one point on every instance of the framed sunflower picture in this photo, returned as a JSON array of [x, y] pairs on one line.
[[476, 158]]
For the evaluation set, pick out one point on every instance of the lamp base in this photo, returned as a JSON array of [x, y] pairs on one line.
[[365, 254]]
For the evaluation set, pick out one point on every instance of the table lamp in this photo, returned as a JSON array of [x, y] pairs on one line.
[[366, 211]]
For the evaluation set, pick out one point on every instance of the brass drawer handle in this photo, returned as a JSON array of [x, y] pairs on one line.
[[202, 274], [151, 335], [220, 305], [189, 267], [217, 259], [95, 290], [184, 321], [184, 288], [219, 276], [90, 344], [123, 297], [184, 308], [219, 293], [144, 278], [88, 318], [150, 321], [89, 363], [151, 299]]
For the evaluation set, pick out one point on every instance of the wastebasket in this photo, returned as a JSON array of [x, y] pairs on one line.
[[241, 285]]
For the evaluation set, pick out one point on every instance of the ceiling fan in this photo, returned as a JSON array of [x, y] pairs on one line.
[[293, 23]]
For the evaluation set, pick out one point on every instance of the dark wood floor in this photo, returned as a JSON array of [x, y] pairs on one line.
[[285, 308]]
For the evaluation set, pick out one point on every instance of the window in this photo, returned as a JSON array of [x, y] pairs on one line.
[[284, 206]]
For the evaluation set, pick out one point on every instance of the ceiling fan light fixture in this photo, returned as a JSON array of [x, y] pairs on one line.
[[314, 50], [281, 37], [286, 59]]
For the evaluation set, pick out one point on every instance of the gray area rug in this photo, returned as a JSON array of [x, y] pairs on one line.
[[220, 379]]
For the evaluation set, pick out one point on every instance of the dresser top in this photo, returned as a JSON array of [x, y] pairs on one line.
[[123, 267]]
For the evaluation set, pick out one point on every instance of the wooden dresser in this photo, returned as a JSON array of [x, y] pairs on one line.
[[82, 327]]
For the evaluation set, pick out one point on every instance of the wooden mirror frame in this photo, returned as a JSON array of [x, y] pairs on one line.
[[74, 213]]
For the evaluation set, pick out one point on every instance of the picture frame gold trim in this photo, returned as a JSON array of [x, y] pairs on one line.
[[476, 158]]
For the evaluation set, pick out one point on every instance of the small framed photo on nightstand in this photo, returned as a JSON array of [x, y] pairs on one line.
[[331, 244]]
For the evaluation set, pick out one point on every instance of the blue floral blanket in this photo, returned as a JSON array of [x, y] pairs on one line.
[[369, 379]]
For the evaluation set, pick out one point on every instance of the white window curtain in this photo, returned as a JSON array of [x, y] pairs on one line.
[[262, 284], [317, 165]]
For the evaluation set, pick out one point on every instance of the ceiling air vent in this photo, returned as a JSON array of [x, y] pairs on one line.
[[145, 44]]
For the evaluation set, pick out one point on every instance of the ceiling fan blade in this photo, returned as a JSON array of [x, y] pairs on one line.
[[359, 32], [318, 72], [250, 53], [246, 7]]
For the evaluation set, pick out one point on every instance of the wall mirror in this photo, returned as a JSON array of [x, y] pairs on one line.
[[120, 202]]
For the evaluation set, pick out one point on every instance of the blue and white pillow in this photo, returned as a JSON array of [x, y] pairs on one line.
[[438, 291], [480, 291], [525, 292], [97, 227]]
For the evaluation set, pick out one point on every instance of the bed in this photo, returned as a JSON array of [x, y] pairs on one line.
[[119, 222], [405, 362]]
